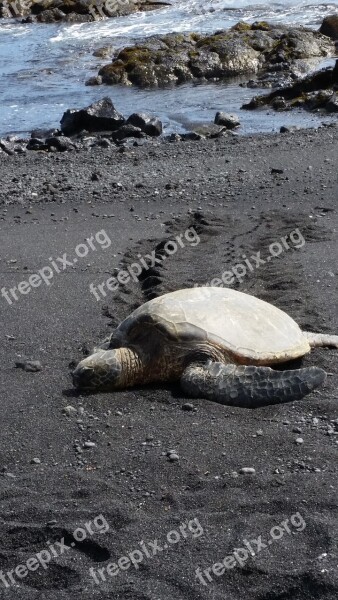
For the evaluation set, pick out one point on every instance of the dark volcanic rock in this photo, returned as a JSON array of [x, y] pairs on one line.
[[332, 105], [176, 58], [60, 143], [316, 91], [329, 27], [74, 11], [99, 116], [126, 131], [151, 126], [230, 121]]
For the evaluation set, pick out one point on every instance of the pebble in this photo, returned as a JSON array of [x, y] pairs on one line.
[[69, 410], [188, 406], [299, 441], [297, 430], [35, 461], [173, 457], [89, 445], [247, 471]]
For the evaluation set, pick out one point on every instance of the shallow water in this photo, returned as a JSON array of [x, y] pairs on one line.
[[44, 67]]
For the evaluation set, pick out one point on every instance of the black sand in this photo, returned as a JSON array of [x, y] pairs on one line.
[[226, 191]]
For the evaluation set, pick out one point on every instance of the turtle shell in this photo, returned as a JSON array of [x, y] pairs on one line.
[[251, 330]]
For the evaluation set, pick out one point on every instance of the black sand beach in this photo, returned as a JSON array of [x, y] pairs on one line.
[[240, 195]]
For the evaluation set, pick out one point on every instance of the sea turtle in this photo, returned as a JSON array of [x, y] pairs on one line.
[[216, 341]]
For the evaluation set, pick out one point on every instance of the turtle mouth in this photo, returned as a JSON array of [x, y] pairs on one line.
[[83, 378]]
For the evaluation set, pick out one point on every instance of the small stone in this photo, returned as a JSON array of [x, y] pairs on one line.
[[259, 432], [289, 128], [174, 457], [188, 406], [69, 410], [51, 522], [247, 471], [35, 461], [89, 445], [299, 441], [297, 430]]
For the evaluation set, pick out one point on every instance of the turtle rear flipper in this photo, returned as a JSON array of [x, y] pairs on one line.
[[249, 387], [321, 340]]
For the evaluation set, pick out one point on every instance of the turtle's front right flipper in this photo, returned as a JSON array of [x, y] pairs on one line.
[[249, 387]]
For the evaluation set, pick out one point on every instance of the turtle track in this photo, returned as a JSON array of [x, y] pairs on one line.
[[280, 280]]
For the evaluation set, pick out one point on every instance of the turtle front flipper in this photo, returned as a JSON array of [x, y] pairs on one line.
[[249, 387]]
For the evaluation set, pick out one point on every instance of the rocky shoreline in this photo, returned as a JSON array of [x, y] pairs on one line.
[[74, 11], [101, 125], [316, 92], [174, 59]]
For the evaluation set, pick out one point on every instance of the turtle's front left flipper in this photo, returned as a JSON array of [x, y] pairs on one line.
[[249, 387]]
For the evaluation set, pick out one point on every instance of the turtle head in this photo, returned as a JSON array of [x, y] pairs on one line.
[[101, 370]]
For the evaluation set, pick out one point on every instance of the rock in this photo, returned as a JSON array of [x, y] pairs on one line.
[[154, 128], [289, 128], [316, 91], [36, 144], [7, 147], [210, 131], [332, 104], [279, 103], [173, 457], [31, 366], [149, 125], [188, 406], [69, 410], [104, 52], [299, 441], [127, 131], [35, 461], [175, 58], [61, 143], [191, 136], [329, 27], [96, 80], [74, 11], [99, 116], [247, 471], [228, 120], [89, 445]]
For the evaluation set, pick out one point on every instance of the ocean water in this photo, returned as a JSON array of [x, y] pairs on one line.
[[44, 67]]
